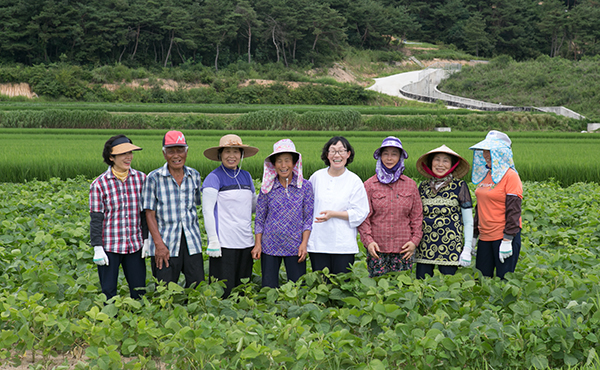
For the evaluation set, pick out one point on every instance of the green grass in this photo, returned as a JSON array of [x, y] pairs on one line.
[[26, 154]]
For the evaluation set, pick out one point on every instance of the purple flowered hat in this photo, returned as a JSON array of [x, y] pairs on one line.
[[391, 141], [389, 175]]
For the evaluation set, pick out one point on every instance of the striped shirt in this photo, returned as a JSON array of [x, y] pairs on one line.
[[175, 207], [120, 202], [235, 203]]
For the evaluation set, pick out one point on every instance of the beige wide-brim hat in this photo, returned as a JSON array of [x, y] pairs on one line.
[[229, 141], [461, 170]]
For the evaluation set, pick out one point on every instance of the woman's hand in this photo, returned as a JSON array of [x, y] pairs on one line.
[[257, 250], [324, 216], [302, 253], [328, 214], [373, 248], [408, 250]]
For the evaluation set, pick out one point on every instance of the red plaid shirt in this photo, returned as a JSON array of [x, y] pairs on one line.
[[121, 204], [396, 215]]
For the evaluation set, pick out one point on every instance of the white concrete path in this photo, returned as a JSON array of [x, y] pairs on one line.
[[391, 85]]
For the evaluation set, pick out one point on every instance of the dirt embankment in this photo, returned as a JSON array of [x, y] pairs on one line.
[[13, 90]]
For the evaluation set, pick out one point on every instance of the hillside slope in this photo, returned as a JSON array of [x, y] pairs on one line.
[[542, 82]]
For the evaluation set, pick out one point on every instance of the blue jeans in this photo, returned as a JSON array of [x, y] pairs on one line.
[[488, 257]]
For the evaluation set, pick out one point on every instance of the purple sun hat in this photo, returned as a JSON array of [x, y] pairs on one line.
[[390, 141], [389, 175]]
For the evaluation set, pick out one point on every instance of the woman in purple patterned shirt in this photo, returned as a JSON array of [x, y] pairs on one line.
[[283, 215]]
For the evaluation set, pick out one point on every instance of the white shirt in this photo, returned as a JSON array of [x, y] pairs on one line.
[[342, 193]]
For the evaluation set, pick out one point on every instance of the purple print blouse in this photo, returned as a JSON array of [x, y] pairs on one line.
[[282, 215]]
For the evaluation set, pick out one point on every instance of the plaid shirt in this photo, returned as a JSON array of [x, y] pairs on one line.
[[175, 207], [396, 215], [120, 202]]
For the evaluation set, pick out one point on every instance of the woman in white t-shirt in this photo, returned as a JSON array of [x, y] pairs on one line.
[[341, 205]]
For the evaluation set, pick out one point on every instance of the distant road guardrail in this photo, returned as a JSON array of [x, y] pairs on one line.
[[425, 89]]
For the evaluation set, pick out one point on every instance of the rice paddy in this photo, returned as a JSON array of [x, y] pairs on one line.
[[27, 154]]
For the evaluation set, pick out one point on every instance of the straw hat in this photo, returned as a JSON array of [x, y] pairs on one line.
[[229, 141], [461, 170]]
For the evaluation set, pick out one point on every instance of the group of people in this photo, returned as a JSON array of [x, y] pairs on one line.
[[134, 216]]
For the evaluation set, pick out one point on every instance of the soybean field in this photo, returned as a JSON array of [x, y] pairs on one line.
[[544, 316]]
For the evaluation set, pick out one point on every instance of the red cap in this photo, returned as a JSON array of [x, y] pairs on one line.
[[174, 138]]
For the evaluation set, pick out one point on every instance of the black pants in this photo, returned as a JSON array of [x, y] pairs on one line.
[[270, 269], [336, 263], [427, 269], [233, 266], [192, 266], [134, 268], [488, 257]]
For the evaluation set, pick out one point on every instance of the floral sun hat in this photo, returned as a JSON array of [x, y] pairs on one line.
[[499, 145], [270, 174]]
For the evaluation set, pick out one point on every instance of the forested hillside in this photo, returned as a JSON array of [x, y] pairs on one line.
[[219, 32]]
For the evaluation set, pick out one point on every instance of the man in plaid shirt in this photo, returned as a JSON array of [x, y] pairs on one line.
[[170, 197], [116, 225]]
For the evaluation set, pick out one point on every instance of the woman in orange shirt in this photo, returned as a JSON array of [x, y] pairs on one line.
[[499, 194]]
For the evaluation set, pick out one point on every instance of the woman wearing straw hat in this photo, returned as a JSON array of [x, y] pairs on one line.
[[118, 226], [341, 205], [499, 195], [392, 230], [447, 213], [283, 215], [229, 199]]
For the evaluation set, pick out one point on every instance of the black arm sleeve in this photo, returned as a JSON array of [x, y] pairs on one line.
[[513, 215], [96, 220], [144, 225]]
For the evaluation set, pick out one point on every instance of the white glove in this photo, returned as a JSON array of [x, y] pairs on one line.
[[146, 248], [505, 250], [214, 248], [100, 257], [465, 257]]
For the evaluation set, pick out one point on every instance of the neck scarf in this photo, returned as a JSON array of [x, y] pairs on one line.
[[389, 175], [120, 175]]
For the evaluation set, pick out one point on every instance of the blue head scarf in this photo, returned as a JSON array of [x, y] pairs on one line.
[[499, 145]]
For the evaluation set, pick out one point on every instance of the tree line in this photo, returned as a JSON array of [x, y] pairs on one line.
[[219, 32]]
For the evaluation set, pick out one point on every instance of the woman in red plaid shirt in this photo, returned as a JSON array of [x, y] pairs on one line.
[[116, 219], [393, 228]]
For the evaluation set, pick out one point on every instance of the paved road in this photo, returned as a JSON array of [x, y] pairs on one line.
[[391, 85]]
